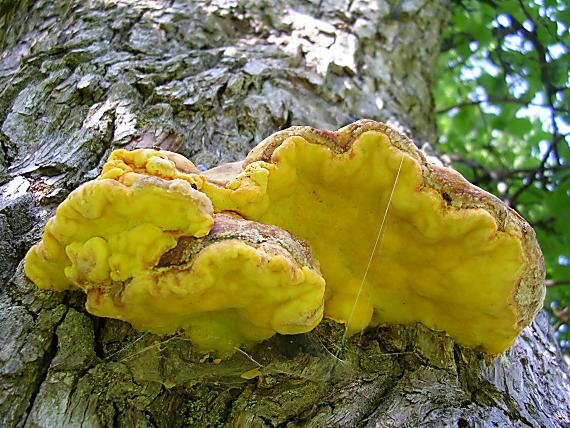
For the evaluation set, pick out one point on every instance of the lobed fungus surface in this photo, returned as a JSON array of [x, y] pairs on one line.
[[398, 240], [111, 230], [241, 283], [147, 248]]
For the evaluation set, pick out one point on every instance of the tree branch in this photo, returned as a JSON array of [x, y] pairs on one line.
[[533, 176], [500, 100], [551, 283]]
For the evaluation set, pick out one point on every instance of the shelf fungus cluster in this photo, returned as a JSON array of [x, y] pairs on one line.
[[354, 225]]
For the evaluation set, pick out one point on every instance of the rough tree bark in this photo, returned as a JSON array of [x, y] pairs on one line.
[[210, 79]]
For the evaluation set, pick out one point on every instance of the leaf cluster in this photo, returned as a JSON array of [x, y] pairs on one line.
[[503, 102]]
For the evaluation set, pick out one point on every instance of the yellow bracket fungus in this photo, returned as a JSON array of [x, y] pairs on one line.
[[241, 283], [146, 247], [398, 240], [449, 255], [108, 231]]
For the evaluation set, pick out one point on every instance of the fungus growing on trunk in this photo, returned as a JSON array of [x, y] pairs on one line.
[[111, 230], [149, 250], [399, 240]]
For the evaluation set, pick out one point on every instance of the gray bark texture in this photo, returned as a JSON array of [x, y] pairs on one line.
[[211, 79]]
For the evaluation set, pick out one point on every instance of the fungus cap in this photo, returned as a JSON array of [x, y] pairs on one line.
[[399, 240], [146, 248], [241, 283], [109, 231]]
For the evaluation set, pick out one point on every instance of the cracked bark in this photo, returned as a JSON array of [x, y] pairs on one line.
[[210, 80]]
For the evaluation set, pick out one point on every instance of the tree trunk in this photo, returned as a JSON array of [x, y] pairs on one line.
[[210, 79]]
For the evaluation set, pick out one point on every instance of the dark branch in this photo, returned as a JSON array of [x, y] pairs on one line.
[[551, 283], [500, 100]]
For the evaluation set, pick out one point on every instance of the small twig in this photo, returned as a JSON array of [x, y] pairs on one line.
[[491, 100], [561, 315], [147, 348], [248, 356], [126, 347], [532, 177], [551, 283]]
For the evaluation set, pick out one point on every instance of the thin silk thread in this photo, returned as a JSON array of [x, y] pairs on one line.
[[377, 245]]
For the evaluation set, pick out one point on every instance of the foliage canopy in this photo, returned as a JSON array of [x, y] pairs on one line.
[[503, 104]]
